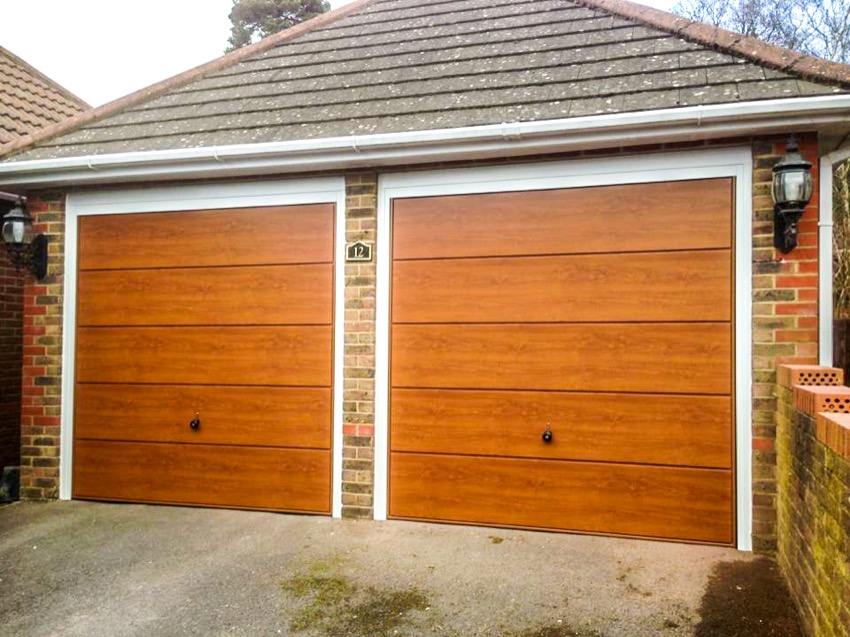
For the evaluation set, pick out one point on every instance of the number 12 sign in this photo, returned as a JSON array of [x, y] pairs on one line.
[[358, 251]]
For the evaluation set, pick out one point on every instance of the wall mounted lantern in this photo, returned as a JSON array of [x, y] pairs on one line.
[[25, 250], [793, 188]]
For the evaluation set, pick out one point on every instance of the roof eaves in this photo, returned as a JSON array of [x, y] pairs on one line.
[[787, 60], [155, 90]]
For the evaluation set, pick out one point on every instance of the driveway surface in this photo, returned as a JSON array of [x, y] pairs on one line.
[[89, 569]]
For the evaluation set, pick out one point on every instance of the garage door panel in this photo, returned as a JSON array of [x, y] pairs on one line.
[[649, 429], [247, 477], [257, 416], [250, 236], [224, 313], [299, 356], [661, 502], [683, 286], [635, 217], [294, 294], [668, 358]]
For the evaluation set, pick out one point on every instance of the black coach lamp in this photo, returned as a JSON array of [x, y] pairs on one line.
[[793, 188], [25, 250]]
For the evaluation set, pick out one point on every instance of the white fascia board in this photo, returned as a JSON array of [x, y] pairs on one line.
[[478, 142]]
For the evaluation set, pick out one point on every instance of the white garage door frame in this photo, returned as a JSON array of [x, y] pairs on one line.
[[213, 196], [716, 163]]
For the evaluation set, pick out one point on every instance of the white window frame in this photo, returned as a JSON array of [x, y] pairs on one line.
[[716, 163], [174, 199]]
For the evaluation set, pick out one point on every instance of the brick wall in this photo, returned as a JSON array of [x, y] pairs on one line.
[[11, 333], [785, 323], [42, 356], [813, 466], [359, 356]]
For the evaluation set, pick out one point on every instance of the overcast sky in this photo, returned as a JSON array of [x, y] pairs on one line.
[[101, 50]]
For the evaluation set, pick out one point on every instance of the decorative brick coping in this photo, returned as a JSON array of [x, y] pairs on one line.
[[833, 430], [790, 375], [828, 403], [813, 399]]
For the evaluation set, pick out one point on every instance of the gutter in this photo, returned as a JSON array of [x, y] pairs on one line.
[[418, 147]]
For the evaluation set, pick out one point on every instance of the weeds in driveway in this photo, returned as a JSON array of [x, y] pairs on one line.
[[331, 605]]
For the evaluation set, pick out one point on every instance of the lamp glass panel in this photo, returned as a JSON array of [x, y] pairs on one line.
[[793, 186], [15, 232], [17, 227]]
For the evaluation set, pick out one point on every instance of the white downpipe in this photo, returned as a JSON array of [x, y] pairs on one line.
[[825, 261]]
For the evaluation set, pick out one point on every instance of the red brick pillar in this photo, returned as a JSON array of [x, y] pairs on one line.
[[785, 320], [359, 373], [42, 356]]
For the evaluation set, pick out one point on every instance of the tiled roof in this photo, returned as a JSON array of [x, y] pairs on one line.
[[404, 65], [30, 101]]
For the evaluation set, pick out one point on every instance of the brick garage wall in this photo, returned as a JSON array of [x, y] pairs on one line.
[[785, 303], [814, 500], [785, 330], [42, 349], [359, 356], [42, 356], [785, 321], [11, 341]]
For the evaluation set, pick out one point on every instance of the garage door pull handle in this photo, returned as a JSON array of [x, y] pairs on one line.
[[195, 423], [547, 435]]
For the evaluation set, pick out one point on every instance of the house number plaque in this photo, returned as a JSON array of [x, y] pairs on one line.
[[358, 251]]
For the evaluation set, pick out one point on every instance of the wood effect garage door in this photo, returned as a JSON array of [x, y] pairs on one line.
[[224, 313], [606, 312]]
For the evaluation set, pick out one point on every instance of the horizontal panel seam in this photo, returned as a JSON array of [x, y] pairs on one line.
[[224, 266], [554, 255], [553, 461], [559, 391], [160, 384], [180, 443]]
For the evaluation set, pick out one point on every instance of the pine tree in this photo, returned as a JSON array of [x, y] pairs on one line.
[[255, 19]]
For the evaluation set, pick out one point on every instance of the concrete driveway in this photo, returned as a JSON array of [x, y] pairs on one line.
[[77, 568]]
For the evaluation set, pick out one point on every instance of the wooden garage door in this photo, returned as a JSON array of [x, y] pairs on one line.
[[227, 314], [604, 312]]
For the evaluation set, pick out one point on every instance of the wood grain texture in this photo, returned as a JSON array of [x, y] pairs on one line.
[[300, 356], [258, 416], [685, 215], [651, 429], [662, 502], [655, 358], [680, 286], [248, 236], [273, 295], [240, 477]]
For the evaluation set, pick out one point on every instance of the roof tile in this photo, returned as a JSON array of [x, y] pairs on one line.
[[29, 101], [404, 65]]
